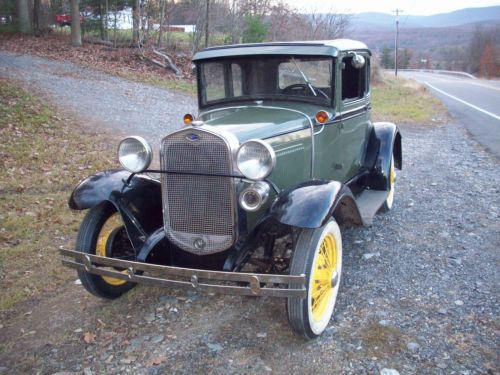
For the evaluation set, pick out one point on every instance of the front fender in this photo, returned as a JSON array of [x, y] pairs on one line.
[[385, 141], [312, 203], [138, 202]]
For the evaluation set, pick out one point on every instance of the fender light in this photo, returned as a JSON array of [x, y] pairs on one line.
[[254, 196]]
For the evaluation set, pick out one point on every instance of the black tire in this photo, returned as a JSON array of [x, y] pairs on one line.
[[306, 320], [86, 242], [389, 202]]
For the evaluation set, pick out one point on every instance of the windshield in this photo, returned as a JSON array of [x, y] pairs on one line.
[[263, 77]]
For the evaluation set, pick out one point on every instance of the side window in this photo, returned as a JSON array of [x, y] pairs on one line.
[[214, 81], [237, 80], [354, 81]]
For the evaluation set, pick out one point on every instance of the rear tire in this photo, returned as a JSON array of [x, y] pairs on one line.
[[102, 233], [318, 255], [387, 205]]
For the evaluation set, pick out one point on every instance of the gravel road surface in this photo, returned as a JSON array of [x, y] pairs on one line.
[[419, 292], [126, 106]]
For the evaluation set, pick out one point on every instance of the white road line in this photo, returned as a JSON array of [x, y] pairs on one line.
[[463, 102]]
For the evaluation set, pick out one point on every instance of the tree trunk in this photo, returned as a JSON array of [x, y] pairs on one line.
[[136, 21], [206, 23], [23, 12], [101, 20], [76, 31], [162, 16], [41, 16]]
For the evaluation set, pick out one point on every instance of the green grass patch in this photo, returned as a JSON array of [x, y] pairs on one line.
[[9, 28], [42, 157], [402, 101]]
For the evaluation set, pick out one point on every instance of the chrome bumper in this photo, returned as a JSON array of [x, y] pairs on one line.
[[177, 277]]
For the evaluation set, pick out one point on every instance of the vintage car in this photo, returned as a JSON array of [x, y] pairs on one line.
[[282, 148]]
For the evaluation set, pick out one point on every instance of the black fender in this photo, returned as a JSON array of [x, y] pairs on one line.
[[311, 203], [384, 141], [138, 201]]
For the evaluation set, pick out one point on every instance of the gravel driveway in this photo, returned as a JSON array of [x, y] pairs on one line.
[[419, 292], [125, 106]]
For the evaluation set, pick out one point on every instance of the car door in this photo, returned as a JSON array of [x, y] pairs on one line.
[[355, 108]]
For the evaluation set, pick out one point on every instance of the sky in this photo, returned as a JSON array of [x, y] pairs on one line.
[[413, 7]]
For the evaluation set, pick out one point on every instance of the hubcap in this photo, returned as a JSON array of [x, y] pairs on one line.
[[325, 277]]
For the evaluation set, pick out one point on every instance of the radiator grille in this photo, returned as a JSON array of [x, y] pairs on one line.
[[198, 210]]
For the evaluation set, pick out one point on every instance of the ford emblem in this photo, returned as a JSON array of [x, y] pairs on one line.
[[193, 137]]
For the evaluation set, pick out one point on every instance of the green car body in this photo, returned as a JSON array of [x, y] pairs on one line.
[[283, 145]]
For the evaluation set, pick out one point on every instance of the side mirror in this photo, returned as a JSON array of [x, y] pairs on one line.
[[358, 61]]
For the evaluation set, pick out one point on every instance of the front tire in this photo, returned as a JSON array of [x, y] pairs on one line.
[[102, 233], [318, 255]]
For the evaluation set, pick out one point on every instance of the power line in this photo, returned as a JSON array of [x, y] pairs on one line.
[[396, 40]]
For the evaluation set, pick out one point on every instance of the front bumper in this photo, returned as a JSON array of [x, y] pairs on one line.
[[249, 284]]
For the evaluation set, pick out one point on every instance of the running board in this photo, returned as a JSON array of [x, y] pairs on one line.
[[369, 202]]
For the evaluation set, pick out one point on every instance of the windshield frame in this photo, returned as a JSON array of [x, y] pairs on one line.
[[237, 100]]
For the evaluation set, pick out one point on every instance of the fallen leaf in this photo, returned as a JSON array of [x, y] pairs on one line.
[[156, 361], [89, 337]]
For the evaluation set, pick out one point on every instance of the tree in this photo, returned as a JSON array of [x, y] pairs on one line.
[[387, 60], [41, 16], [76, 31], [487, 67], [255, 30], [23, 13]]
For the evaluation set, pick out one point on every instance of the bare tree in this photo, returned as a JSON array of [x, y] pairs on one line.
[[23, 12], [76, 31], [326, 25]]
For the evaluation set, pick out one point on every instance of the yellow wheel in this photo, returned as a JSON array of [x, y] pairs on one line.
[[387, 206], [318, 255], [102, 233]]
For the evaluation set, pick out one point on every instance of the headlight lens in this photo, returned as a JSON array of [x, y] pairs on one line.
[[134, 154], [255, 159]]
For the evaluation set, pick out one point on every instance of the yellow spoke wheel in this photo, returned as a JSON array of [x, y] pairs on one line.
[[102, 233], [318, 255], [387, 206], [112, 224], [323, 272]]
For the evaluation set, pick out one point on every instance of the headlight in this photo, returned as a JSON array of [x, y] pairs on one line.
[[134, 154], [255, 159], [254, 196]]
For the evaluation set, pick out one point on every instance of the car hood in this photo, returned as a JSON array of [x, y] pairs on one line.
[[260, 121]]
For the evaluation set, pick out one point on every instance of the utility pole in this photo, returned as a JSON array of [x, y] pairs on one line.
[[396, 41]]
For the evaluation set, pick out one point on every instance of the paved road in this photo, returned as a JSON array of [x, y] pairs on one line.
[[473, 102]]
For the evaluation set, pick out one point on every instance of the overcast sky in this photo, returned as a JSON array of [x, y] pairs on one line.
[[414, 7]]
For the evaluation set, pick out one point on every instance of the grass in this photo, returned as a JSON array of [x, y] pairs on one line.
[[42, 157], [403, 101]]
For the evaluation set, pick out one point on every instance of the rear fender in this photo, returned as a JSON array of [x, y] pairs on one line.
[[138, 201], [312, 203], [385, 141]]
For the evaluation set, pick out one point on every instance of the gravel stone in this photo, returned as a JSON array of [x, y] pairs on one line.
[[413, 346], [388, 371]]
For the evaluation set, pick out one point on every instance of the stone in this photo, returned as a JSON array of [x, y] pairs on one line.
[[389, 371], [157, 339], [443, 311], [459, 302], [215, 347], [150, 318], [384, 322], [413, 346], [367, 256], [262, 335]]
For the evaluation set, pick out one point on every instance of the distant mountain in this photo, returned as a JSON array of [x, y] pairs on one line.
[[490, 15]]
